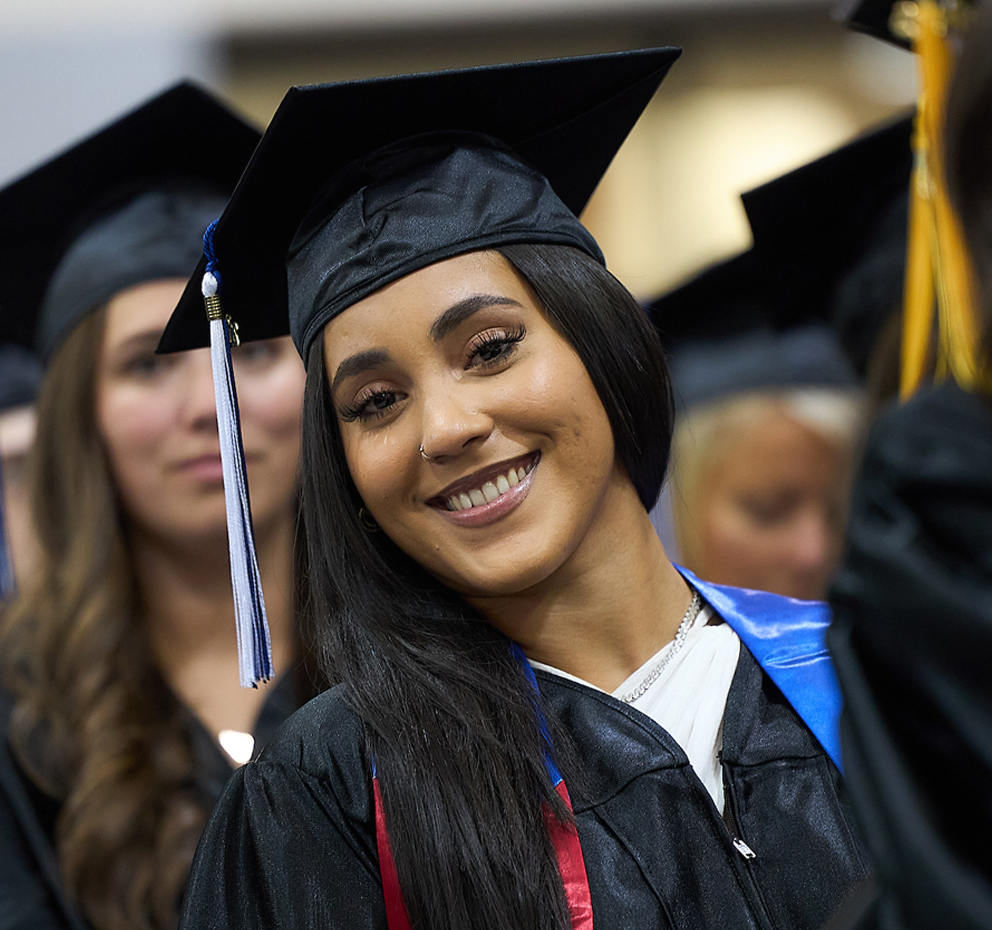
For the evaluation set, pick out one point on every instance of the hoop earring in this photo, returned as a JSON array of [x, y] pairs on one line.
[[368, 521]]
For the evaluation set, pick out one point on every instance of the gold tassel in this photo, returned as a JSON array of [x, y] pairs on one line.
[[937, 263]]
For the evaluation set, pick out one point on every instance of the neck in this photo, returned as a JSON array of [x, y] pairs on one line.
[[188, 612], [609, 608]]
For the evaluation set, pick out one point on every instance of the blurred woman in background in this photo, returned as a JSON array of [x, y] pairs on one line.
[[765, 433], [122, 716]]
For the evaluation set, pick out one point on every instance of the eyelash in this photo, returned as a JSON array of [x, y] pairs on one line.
[[495, 339], [507, 340], [360, 411]]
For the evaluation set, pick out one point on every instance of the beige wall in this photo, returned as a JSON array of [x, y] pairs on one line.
[[754, 94]]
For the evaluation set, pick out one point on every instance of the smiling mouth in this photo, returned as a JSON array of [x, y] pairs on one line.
[[482, 489]]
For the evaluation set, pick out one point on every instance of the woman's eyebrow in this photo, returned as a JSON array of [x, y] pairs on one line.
[[357, 363], [139, 340], [457, 313]]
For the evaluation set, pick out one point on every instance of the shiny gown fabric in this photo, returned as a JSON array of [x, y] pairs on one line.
[[912, 643], [32, 896], [292, 843]]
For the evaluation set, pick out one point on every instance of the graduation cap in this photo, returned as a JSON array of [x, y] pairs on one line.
[[939, 294], [126, 205], [831, 236], [725, 336], [357, 184], [458, 160], [893, 21]]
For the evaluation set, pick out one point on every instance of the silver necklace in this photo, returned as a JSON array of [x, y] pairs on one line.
[[695, 605]]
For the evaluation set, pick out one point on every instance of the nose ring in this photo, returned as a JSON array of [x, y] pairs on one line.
[[425, 456]]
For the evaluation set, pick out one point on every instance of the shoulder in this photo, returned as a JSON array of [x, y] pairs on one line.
[[787, 637], [30, 887], [763, 616], [322, 745], [323, 727]]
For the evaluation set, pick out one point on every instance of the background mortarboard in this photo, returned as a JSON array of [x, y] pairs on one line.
[[182, 137], [725, 336], [874, 18], [888, 20], [840, 215], [566, 117]]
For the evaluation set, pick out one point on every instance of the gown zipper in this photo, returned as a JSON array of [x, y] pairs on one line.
[[746, 853]]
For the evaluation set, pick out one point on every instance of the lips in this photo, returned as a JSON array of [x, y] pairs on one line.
[[203, 467], [488, 494], [486, 485]]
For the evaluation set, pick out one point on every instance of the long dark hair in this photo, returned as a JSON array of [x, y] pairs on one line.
[[449, 716]]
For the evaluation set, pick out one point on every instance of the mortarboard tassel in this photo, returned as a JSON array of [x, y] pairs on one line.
[[938, 268], [254, 645]]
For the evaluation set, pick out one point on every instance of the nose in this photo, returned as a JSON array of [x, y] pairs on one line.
[[452, 422], [199, 406], [812, 544]]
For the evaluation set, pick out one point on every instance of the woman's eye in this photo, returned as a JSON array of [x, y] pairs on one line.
[[145, 365], [254, 353], [768, 513], [369, 406], [494, 347]]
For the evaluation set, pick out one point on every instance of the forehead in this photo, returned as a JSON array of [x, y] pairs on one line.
[[141, 309], [411, 304]]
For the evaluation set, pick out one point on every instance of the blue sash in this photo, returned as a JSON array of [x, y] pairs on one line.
[[786, 637]]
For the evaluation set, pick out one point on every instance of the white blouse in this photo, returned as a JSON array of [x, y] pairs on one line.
[[689, 697]]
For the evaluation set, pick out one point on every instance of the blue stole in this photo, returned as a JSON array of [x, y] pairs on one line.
[[786, 637]]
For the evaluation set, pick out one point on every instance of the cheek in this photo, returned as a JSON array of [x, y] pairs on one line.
[[271, 402], [381, 467], [133, 422]]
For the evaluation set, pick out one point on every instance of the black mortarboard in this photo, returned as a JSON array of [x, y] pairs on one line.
[[877, 18], [891, 21], [725, 335], [20, 376], [355, 185], [832, 236], [126, 205], [389, 175]]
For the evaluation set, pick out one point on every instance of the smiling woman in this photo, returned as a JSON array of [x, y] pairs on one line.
[[486, 425]]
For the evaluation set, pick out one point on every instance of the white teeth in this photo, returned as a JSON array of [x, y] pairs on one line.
[[489, 491]]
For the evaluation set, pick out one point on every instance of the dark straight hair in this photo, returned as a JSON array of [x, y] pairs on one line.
[[448, 714]]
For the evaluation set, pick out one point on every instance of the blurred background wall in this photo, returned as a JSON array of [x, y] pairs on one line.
[[762, 86]]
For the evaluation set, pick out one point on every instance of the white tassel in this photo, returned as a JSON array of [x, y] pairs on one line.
[[254, 645]]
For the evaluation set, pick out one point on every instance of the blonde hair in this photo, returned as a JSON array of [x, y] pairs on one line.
[[702, 436]]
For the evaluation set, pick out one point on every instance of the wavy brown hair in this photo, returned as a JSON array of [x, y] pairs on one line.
[[94, 723]]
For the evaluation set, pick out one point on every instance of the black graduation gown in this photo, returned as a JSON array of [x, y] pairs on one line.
[[31, 893], [912, 644], [291, 845]]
